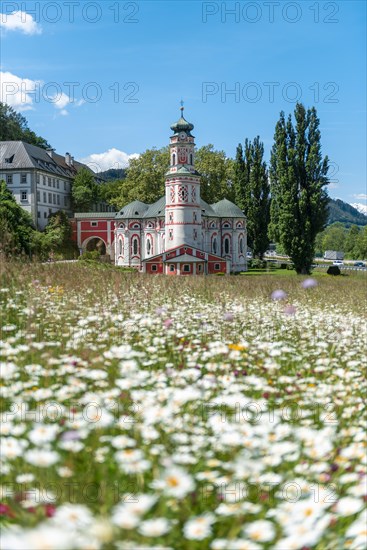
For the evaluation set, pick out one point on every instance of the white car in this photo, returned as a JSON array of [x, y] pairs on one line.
[[338, 262]]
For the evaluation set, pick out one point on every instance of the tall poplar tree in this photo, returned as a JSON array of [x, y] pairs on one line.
[[298, 176], [252, 193]]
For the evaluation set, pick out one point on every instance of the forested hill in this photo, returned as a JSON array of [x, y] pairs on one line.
[[113, 174], [14, 127], [343, 212]]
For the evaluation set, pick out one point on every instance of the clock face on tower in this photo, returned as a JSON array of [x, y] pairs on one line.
[[182, 136]]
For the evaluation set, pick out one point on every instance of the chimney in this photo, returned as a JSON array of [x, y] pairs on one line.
[[50, 152], [72, 161], [68, 159]]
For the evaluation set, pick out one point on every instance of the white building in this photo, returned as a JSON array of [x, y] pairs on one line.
[[39, 179]]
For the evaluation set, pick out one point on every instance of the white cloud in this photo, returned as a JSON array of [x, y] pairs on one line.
[[360, 196], [19, 21], [18, 92], [113, 158], [62, 100]]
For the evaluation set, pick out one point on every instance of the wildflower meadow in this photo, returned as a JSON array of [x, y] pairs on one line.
[[219, 413]]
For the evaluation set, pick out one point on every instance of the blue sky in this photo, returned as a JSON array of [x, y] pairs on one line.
[[131, 63]]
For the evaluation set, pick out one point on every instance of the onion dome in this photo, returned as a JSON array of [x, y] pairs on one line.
[[182, 125]]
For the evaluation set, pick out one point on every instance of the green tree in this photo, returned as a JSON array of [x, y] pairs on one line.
[[334, 237], [85, 191], [145, 178], [298, 175], [217, 174], [361, 246], [252, 193], [351, 242], [14, 127], [16, 228]]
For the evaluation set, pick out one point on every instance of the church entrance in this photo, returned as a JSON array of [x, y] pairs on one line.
[[96, 244]]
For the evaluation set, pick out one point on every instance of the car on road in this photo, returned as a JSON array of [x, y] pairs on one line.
[[359, 264], [338, 262]]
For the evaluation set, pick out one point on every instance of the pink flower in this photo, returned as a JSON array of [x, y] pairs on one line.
[[290, 310], [167, 323], [228, 316], [278, 295], [309, 283]]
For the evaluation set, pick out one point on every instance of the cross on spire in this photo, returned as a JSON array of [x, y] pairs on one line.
[[182, 107]]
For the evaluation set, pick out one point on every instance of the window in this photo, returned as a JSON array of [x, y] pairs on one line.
[[120, 247], [171, 217], [9, 178], [37, 178], [64, 185], [200, 268], [44, 180], [214, 246], [49, 182], [53, 182], [149, 247], [38, 196], [38, 214], [183, 194], [154, 267], [171, 268], [226, 245], [23, 178], [9, 160], [54, 196], [24, 195], [241, 246], [135, 247], [217, 267], [186, 268], [173, 158], [44, 196], [58, 199], [50, 198], [45, 214], [65, 201], [170, 235], [191, 159], [94, 224], [58, 184]]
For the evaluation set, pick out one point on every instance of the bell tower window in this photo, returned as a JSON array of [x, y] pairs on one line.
[[174, 158]]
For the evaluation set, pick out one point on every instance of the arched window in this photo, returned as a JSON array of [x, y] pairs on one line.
[[191, 159], [149, 247], [214, 245], [135, 246], [120, 247], [226, 245], [241, 245], [174, 158]]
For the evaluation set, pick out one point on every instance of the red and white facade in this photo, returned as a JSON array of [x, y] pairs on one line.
[[180, 234]]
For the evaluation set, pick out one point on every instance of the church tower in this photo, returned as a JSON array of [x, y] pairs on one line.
[[183, 210]]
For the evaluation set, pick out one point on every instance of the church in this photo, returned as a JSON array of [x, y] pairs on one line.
[[180, 234]]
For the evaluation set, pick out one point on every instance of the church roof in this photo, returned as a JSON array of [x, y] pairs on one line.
[[135, 209], [184, 258], [207, 210], [183, 170], [156, 210], [138, 209], [227, 209]]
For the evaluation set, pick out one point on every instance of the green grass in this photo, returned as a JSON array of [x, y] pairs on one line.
[[170, 361]]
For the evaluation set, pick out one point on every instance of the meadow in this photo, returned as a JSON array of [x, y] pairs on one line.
[[221, 413]]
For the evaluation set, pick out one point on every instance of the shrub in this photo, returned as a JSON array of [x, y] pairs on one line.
[[94, 255], [333, 270], [290, 267], [258, 264]]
